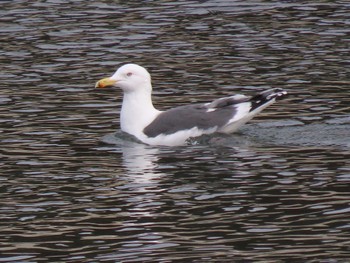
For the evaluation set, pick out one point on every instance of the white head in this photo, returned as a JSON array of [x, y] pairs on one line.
[[129, 78]]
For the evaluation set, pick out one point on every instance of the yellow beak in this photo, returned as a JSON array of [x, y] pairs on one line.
[[106, 82]]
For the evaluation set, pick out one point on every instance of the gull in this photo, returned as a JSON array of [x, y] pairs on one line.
[[138, 116]]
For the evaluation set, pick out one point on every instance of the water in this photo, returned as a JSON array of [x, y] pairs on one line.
[[75, 189]]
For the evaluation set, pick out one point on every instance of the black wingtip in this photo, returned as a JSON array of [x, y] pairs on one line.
[[266, 96]]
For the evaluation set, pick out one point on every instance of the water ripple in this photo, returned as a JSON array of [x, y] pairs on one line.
[[74, 190]]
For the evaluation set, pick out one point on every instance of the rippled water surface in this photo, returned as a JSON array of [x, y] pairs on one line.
[[75, 189]]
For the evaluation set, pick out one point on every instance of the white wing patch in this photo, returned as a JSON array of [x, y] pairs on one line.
[[242, 111]]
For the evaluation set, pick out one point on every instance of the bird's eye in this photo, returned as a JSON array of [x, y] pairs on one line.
[[129, 74]]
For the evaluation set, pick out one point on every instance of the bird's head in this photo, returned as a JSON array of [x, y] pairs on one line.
[[129, 78]]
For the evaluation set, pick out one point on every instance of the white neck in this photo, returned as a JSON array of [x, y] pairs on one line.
[[137, 111]]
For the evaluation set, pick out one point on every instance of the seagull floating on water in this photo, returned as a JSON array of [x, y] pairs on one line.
[[173, 127]]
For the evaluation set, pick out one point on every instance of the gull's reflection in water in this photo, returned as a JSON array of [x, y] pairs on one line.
[[140, 161], [141, 176]]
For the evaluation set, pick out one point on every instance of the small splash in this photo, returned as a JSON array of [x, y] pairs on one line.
[[221, 140]]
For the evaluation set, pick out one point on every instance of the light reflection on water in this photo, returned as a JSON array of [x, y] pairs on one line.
[[73, 189]]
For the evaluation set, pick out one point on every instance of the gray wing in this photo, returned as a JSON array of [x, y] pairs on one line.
[[210, 115], [203, 116]]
